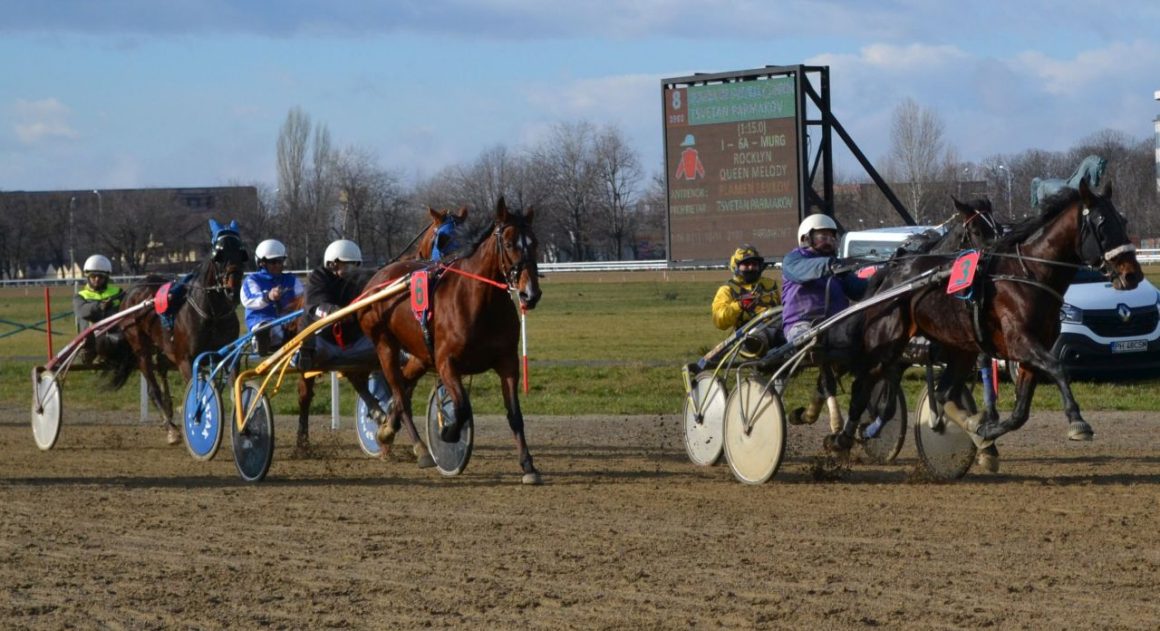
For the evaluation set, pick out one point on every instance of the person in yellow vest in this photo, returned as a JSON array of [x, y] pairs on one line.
[[744, 296], [97, 300]]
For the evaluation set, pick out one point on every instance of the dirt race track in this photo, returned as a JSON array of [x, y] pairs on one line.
[[112, 529]]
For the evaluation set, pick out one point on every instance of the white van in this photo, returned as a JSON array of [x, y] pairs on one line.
[[877, 243]]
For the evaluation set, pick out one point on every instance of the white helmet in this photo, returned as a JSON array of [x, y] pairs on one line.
[[342, 250], [269, 249], [97, 264], [816, 221]]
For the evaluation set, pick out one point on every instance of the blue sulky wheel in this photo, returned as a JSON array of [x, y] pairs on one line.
[[254, 445], [203, 418], [46, 408], [755, 431], [884, 447], [450, 458], [364, 425], [946, 451]]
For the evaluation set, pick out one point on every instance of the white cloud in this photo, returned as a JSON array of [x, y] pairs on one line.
[[1090, 67], [47, 119]]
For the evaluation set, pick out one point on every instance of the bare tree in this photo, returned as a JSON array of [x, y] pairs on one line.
[[567, 157], [918, 158], [373, 204], [292, 193], [618, 175]]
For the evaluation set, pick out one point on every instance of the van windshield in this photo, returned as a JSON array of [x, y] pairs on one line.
[[877, 250]]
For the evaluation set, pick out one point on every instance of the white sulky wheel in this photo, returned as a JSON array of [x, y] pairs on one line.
[[202, 414], [884, 448], [46, 408], [755, 431], [705, 420], [946, 451]]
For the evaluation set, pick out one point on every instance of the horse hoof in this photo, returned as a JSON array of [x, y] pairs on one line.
[[797, 417], [532, 478], [1079, 430], [837, 442], [423, 456], [172, 435], [988, 459]]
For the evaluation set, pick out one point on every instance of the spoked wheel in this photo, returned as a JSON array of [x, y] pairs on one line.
[[705, 420], [46, 408], [884, 447], [365, 426], [755, 431], [203, 418], [254, 444], [945, 449], [450, 458]]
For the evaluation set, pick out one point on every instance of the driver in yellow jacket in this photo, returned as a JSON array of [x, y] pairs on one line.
[[744, 296]]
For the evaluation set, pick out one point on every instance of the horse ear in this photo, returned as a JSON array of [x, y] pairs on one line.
[[214, 226], [1085, 191], [501, 211], [233, 227], [529, 214], [435, 216], [461, 214], [961, 207]]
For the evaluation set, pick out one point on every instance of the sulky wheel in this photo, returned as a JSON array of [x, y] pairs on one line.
[[203, 418], [705, 420], [884, 447], [365, 427], [254, 444], [46, 408], [946, 451], [755, 431], [450, 458]]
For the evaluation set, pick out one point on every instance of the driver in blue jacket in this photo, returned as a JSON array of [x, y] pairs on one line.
[[269, 294]]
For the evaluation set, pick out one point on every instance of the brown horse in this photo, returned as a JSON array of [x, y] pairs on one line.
[[207, 320], [440, 235], [474, 324], [1018, 290]]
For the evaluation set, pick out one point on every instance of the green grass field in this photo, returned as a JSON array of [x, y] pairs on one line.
[[605, 343]]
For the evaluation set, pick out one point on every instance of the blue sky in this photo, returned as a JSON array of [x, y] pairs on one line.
[[132, 93]]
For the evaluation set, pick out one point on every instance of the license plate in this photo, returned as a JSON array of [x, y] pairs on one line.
[[1130, 346]]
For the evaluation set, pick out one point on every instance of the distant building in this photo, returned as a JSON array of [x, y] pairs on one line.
[[156, 229]]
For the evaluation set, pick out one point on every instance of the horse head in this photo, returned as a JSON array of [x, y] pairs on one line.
[[443, 237], [229, 258], [978, 223], [1103, 238], [518, 251]]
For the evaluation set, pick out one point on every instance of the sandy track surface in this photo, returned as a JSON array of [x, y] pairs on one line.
[[112, 529]]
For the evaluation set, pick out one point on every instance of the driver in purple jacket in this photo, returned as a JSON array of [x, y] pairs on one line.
[[815, 283]]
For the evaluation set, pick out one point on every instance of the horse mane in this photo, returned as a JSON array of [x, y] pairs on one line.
[[1053, 206]]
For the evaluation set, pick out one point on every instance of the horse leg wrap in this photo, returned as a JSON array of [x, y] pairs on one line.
[[835, 411], [813, 410]]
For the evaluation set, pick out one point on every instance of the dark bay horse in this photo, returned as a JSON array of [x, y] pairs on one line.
[[973, 226], [206, 320], [440, 236], [474, 324], [1018, 292]]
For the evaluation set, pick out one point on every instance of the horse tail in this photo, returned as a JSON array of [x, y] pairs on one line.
[[120, 362]]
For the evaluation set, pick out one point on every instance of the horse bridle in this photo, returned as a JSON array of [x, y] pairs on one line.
[[221, 272], [512, 274], [1093, 248]]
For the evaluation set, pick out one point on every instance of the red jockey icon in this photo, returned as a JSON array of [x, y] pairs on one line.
[[689, 167]]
